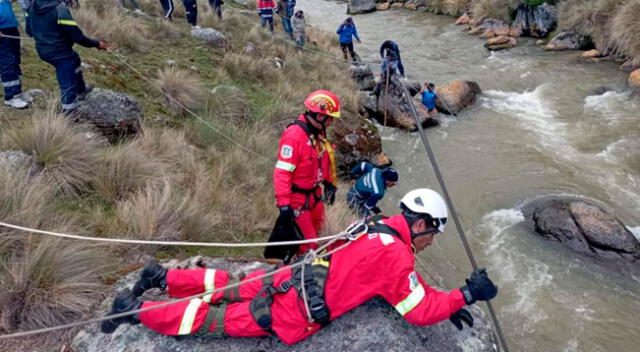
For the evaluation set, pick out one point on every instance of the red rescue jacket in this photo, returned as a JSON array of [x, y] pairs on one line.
[[302, 161], [373, 265]]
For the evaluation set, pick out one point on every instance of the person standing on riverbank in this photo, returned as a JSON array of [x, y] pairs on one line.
[[265, 11], [429, 97], [346, 32], [298, 25], [10, 57], [285, 11], [369, 188], [216, 6]]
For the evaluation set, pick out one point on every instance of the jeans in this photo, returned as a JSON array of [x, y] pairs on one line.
[[70, 80], [10, 63], [264, 19], [357, 203], [286, 24], [300, 41]]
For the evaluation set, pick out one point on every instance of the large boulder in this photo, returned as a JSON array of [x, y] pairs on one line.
[[16, 160], [374, 326], [500, 43], [536, 21], [456, 96], [634, 81], [391, 107], [360, 6], [211, 36], [363, 75], [568, 40], [583, 227], [115, 115]]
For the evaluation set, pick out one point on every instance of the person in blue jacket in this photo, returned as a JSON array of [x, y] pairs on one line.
[[370, 187], [429, 97], [346, 32], [10, 57], [55, 32], [390, 54]]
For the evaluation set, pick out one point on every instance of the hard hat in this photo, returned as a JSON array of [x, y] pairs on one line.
[[424, 203], [390, 174], [323, 102]]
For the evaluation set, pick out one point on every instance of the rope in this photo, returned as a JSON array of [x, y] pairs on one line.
[[386, 94], [162, 305], [171, 243], [454, 214]]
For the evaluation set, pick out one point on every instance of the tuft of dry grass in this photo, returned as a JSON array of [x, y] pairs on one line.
[[338, 216], [624, 30], [114, 26], [182, 90], [449, 7], [65, 152], [497, 9], [589, 18], [229, 104]]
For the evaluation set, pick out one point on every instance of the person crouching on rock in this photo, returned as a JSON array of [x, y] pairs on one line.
[[429, 97], [369, 188], [55, 32], [377, 261]]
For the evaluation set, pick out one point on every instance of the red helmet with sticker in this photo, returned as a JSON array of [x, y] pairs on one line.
[[323, 102]]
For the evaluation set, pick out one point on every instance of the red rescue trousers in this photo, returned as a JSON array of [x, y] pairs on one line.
[[309, 221], [188, 317]]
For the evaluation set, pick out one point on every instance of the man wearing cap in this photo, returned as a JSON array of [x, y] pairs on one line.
[[369, 189]]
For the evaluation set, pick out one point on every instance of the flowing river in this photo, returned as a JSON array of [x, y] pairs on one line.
[[538, 128]]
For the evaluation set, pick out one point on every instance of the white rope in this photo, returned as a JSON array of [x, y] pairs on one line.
[[170, 243], [165, 304]]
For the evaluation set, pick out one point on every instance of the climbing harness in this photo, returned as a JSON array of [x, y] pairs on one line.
[[454, 215]]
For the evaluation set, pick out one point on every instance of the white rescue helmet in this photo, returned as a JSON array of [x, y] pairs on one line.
[[426, 204]]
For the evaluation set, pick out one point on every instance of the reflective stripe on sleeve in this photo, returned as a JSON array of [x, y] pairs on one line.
[[283, 165], [189, 316], [11, 83], [209, 283], [412, 300], [67, 22]]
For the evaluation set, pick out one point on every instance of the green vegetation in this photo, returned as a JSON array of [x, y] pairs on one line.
[[180, 180]]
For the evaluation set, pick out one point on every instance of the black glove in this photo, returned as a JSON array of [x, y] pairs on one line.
[[376, 210], [479, 287], [286, 212], [462, 315], [329, 192]]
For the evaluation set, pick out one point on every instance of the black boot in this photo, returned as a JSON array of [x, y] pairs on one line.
[[153, 276], [125, 302]]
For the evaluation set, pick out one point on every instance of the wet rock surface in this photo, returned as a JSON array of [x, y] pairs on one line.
[[567, 40], [456, 96], [374, 326], [360, 6], [583, 227], [536, 21]]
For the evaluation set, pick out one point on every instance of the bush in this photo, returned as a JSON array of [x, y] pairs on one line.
[[182, 90], [67, 155]]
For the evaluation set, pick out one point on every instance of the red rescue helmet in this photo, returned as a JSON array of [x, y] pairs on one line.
[[323, 102]]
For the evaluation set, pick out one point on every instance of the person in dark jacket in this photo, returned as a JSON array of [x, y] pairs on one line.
[[285, 11], [369, 189], [55, 32], [389, 50], [10, 57], [265, 11], [346, 32], [216, 5]]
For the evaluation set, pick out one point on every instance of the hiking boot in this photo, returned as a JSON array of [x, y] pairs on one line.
[[81, 96], [16, 102], [125, 302], [153, 276], [195, 27]]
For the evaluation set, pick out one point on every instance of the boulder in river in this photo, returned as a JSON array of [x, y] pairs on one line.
[[383, 6], [634, 81], [115, 115], [536, 21], [500, 43], [567, 40], [464, 19], [374, 326], [457, 95], [363, 75], [360, 6], [583, 227]]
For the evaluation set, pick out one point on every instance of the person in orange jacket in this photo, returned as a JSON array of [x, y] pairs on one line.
[[378, 261], [306, 162]]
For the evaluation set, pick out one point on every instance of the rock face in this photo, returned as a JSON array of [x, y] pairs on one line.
[[567, 40], [500, 43], [363, 75], [464, 19], [115, 115], [211, 36], [457, 95], [374, 326], [583, 227], [634, 81], [397, 106], [360, 6], [17, 160], [537, 21]]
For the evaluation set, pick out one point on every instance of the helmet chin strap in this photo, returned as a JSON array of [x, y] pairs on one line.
[[312, 115], [423, 233]]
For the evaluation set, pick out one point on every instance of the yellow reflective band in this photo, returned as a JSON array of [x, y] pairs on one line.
[[283, 165], [411, 301], [189, 316], [320, 261], [209, 283], [67, 22]]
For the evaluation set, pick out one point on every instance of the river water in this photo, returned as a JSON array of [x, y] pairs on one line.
[[539, 128]]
